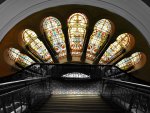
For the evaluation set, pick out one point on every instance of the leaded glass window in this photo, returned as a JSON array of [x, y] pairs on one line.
[[20, 58], [77, 24], [36, 46], [116, 50], [132, 63], [76, 75], [53, 30], [99, 37]]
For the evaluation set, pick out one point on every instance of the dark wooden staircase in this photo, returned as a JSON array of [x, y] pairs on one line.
[[78, 104]]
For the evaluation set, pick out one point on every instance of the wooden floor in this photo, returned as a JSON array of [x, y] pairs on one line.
[[77, 104]]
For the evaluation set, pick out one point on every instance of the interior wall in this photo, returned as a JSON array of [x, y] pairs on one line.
[[14, 11], [93, 14]]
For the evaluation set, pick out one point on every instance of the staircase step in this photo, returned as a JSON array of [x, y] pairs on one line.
[[77, 104]]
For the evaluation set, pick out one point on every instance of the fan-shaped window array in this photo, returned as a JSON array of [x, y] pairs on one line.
[[77, 28]]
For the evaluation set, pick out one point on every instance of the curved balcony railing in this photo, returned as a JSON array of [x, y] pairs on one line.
[[58, 70]]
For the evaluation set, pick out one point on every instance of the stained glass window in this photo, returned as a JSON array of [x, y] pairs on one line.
[[99, 37], [20, 58], [116, 50], [132, 63], [53, 30], [76, 75], [36, 46], [77, 24]]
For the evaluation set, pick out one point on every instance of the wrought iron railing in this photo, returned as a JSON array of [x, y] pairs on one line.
[[23, 96], [58, 70], [133, 97]]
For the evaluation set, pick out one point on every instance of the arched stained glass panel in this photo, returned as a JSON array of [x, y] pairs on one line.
[[132, 63], [20, 58], [77, 24], [53, 30], [36, 46], [76, 75], [116, 50], [13, 54], [99, 37]]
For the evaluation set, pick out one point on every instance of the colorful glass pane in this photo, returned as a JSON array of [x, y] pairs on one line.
[[117, 49], [127, 63], [136, 57], [13, 53], [124, 39], [20, 58], [98, 39], [53, 30], [36, 46], [124, 64], [77, 24]]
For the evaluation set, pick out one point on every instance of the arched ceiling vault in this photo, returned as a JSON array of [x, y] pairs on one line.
[[14, 11], [18, 17]]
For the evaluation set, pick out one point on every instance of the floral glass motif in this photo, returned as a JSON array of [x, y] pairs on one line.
[[98, 39], [129, 62], [53, 30], [20, 58], [77, 24], [36, 46], [116, 49]]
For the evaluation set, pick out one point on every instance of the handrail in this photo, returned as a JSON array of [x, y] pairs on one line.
[[27, 93], [21, 81], [133, 97], [126, 82], [141, 88], [14, 85]]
